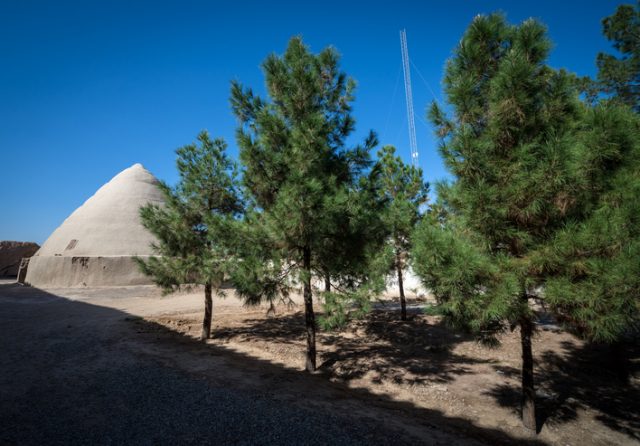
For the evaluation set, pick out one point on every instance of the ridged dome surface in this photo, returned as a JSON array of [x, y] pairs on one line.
[[95, 246], [108, 223]]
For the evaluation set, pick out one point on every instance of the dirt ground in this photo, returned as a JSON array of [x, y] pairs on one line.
[[416, 381], [582, 398]]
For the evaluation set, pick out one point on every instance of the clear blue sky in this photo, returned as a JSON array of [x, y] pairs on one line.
[[89, 88]]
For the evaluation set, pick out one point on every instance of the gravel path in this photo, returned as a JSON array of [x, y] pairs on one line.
[[69, 375]]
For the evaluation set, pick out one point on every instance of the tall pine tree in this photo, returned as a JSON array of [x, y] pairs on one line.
[[403, 191], [350, 259], [508, 145], [298, 172], [196, 222], [619, 77], [352, 232]]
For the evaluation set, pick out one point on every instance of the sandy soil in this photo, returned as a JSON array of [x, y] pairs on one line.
[[582, 399], [418, 377]]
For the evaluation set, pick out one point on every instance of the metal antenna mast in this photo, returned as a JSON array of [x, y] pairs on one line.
[[409, 95]]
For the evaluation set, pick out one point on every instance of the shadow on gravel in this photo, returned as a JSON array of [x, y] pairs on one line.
[[76, 410], [405, 352], [592, 376]]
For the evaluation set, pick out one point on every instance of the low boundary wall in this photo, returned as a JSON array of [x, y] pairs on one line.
[[67, 272]]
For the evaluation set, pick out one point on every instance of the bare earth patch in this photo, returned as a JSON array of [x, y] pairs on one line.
[[431, 368]]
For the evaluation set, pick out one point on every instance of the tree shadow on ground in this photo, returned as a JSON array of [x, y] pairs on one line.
[[66, 399], [586, 376], [416, 351]]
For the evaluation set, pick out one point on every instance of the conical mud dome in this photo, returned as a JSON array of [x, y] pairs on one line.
[[95, 245]]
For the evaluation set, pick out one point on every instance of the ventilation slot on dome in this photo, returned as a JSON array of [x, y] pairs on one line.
[[72, 244]]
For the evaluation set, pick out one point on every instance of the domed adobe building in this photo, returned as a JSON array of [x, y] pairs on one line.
[[96, 244]]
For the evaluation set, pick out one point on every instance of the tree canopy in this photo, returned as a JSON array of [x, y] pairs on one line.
[[402, 190], [619, 77], [508, 146], [195, 223], [299, 173]]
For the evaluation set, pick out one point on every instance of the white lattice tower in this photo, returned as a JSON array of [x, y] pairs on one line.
[[409, 95]]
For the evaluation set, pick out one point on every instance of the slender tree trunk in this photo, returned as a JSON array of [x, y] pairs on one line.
[[620, 361], [309, 316], [327, 283], [403, 302], [528, 388], [208, 307]]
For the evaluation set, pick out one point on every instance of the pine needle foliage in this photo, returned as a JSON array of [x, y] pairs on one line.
[[543, 207], [508, 145], [194, 226], [300, 176], [619, 77], [402, 190], [592, 265], [349, 260]]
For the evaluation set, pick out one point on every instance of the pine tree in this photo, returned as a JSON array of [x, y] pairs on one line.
[[619, 77], [350, 259], [196, 222], [508, 145], [592, 263], [593, 284], [403, 191], [298, 172]]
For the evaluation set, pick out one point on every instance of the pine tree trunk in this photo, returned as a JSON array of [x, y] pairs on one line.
[[620, 361], [327, 283], [310, 319], [403, 302], [208, 307], [528, 388]]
